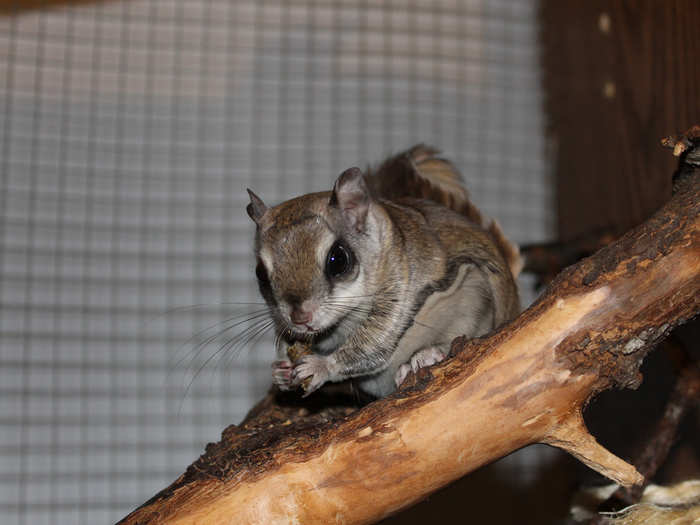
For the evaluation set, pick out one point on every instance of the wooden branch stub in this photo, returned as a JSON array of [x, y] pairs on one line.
[[573, 436], [526, 383]]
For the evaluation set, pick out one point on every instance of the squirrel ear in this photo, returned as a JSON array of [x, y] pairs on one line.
[[351, 196], [256, 209]]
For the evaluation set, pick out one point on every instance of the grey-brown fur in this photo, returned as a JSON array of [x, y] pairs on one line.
[[423, 272]]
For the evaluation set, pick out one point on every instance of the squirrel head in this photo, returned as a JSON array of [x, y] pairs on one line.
[[315, 254]]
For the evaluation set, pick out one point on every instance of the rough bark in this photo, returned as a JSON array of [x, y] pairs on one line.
[[295, 462]]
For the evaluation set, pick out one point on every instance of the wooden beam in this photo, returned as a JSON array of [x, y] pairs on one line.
[[617, 75], [13, 7]]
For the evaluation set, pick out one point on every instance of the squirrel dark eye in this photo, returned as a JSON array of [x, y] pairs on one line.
[[339, 260], [261, 273]]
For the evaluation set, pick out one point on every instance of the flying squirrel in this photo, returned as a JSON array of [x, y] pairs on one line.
[[379, 275]]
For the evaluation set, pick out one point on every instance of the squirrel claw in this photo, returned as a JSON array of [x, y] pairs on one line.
[[421, 359], [401, 374], [311, 372]]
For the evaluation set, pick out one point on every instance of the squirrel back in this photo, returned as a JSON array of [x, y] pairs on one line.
[[421, 173]]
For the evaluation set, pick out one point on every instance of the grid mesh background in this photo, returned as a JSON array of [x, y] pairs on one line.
[[128, 133]]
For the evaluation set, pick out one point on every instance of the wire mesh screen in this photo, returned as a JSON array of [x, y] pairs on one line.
[[129, 131]]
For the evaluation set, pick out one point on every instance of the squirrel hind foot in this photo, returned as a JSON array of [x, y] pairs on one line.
[[421, 359]]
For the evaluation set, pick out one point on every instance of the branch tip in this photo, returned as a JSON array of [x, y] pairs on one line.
[[573, 437]]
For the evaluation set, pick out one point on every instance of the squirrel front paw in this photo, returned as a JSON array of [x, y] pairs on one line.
[[311, 372], [282, 374]]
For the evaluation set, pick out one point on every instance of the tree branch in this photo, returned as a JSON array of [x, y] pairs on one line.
[[526, 383], [546, 260]]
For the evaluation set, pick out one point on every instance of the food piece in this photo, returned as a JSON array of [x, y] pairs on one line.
[[296, 352]]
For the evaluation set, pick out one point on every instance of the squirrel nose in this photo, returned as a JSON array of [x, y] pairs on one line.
[[302, 310], [300, 316]]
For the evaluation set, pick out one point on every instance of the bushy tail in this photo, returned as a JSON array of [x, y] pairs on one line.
[[421, 173]]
